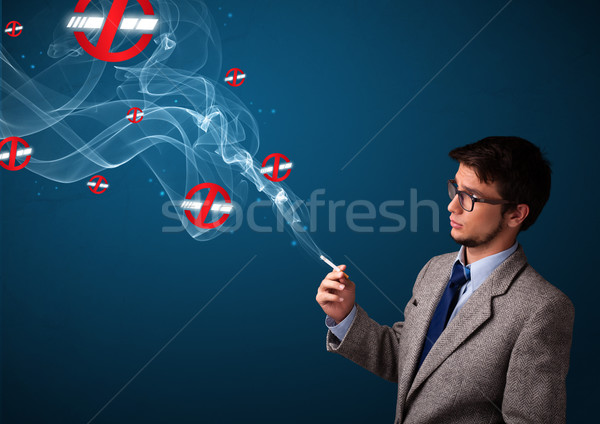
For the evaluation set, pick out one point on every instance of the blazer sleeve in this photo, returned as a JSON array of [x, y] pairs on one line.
[[373, 346], [535, 390]]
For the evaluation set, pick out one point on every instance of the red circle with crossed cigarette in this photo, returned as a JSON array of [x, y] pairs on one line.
[[102, 49], [232, 77], [96, 187], [200, 220], [12, 155], [13, 32], [135, 115], [278, 157]]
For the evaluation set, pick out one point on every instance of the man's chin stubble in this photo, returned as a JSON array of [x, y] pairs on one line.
[[465, 242], [469, 242]]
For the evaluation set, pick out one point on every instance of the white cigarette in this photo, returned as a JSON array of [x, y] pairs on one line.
[[331, 264]]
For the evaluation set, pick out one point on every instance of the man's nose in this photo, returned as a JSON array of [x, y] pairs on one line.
[[454, 206]]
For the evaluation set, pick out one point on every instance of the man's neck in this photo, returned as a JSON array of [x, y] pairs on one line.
[[473, 254]]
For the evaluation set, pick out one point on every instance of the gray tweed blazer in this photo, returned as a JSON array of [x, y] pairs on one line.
[[503, 358]]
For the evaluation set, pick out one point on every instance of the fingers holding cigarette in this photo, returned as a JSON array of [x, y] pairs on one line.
[[337, 275], [335, 267], [342, 269], [332, 285], [336, 294], [334, 289]]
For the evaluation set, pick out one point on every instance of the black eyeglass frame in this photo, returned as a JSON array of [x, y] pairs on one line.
[[452, 183]]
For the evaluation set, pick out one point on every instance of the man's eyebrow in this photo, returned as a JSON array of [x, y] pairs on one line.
[[471, 190]]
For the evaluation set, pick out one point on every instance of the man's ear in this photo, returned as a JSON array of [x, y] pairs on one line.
[[517, 215]]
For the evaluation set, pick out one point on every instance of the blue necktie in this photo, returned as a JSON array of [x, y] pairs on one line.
[[460, 275]]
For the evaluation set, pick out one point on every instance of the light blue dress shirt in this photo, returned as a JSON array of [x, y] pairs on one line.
[[480, 270]]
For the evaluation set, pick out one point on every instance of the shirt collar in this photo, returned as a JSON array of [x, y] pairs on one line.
[[480, 270]]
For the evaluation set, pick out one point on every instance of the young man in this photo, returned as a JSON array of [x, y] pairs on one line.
[[485, 338]]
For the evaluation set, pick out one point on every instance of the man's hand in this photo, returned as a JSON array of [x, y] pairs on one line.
[[336, 295]]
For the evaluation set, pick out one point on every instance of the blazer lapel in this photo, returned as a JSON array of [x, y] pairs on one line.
[[428, 297], [472, 315]]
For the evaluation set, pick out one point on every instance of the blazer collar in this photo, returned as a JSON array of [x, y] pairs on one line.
[[472, 315]]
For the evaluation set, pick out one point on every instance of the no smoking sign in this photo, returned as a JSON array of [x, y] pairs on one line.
[[135, 115], [14, 153], [97, 184], [235, 77], [207, 205], [276, 167], [115, 18], [13, 28]]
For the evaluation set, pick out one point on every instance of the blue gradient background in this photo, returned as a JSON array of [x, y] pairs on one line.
[[92, 288]]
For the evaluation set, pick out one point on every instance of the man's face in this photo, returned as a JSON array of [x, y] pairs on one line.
[[483, 224]]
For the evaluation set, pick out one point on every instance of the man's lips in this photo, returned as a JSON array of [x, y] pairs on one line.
[[455, 224]]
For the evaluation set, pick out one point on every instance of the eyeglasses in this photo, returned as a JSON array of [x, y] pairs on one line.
[[467, 201]]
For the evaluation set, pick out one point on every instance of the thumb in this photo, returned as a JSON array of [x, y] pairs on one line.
[[343, 268]]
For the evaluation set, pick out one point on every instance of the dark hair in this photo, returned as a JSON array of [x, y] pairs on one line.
[[522, 172]]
